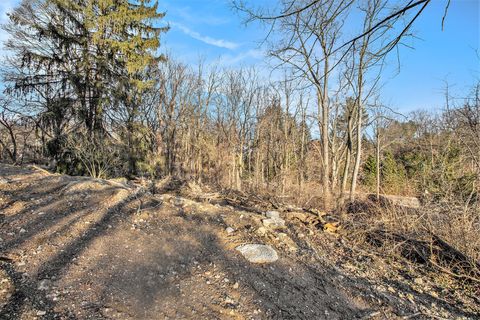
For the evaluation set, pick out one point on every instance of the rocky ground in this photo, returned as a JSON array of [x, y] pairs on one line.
[[81, 248]]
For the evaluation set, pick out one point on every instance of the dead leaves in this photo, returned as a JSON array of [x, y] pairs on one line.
[[332, 227]]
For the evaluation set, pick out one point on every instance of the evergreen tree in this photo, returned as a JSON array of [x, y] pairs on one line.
[[93, 49], [90, 54]]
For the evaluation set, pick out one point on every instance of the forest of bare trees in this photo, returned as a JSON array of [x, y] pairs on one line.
[[103, 102]]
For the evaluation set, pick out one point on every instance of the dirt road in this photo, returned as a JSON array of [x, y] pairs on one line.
[[80, 248]]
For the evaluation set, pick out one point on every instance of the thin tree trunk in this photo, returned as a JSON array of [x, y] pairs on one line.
[[377, 166], [358, 153]]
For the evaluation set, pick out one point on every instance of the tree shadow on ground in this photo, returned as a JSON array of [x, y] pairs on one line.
[[55, 210], [27, 288], [163, 273], [49, 225]]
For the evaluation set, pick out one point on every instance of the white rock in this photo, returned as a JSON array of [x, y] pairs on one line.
[[22, 230], [272, 214], [274, 223], [41, 313], [258, 253], [229, 230]]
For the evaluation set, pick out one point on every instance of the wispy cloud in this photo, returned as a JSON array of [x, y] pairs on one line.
[[221, 43], [228, 60]]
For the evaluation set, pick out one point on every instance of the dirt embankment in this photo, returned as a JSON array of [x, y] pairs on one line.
[[80, 248]]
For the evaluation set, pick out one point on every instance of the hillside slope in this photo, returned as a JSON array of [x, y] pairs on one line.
[[81, 248]]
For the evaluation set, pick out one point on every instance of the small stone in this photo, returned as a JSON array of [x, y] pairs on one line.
[[230, 303], [41, 313], [288, 241], [262, 231], [274, 223], [22, 230], [418, 281], [272, 214], [229, 230], [44, 284], [41, 213], [258, 253], [236, 285], [391, 289]]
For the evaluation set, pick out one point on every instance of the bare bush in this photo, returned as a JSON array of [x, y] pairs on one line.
[[98, 159]]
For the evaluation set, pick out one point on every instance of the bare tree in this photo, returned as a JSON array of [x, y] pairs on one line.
[[8, 141]]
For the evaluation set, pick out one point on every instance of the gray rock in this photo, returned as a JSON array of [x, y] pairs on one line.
[[44, 284], [274, 223], [258, 253], [272, 214]]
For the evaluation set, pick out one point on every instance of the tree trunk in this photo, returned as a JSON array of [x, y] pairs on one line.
[[377, 166], [358, 153]]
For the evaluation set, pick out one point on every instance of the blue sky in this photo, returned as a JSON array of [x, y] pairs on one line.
[[210, 30]]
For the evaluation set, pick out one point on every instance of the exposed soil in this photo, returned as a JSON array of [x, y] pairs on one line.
[[81, 248]]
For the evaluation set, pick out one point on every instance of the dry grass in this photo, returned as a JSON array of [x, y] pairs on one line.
[[443, 235]]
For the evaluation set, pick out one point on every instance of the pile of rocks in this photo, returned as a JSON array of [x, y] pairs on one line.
[[273, 220]]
